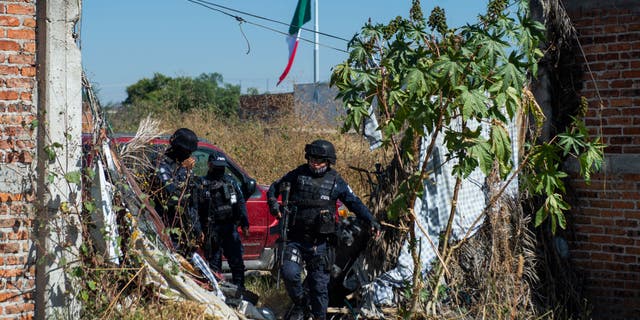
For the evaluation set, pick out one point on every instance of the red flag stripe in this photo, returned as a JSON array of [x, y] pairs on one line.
[[292, 56]]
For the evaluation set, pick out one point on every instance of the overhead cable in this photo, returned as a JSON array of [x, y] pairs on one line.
[[267, 19], [209, 5]]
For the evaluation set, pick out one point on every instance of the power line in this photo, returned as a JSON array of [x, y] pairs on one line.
[[268, 19], [211, 6]]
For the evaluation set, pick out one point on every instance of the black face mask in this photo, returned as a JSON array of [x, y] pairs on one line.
[[178, 154], [216, 172]]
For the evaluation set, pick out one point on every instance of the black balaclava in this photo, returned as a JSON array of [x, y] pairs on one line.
[[319, 172], [177, 153], [215, 172]]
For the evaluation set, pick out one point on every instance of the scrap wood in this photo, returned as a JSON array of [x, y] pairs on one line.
[[118, 182], [180, 283]]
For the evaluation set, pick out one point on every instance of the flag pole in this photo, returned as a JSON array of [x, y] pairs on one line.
[[316, 53]]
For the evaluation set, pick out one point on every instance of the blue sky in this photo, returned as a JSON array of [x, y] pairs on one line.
[[123, 41]]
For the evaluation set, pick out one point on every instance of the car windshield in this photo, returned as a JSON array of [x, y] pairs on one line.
[[201, 168]]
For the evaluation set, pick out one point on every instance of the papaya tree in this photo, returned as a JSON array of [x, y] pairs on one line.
[[430, 80]]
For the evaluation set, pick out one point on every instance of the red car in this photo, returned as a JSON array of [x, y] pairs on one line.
[[259, 247]]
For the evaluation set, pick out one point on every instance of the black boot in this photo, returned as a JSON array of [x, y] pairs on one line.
[[299, 310]]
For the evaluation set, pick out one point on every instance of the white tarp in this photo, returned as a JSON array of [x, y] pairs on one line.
[[432, 213]]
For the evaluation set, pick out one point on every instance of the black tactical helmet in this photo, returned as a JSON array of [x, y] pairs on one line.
[[217, 160], [185, 139], [322, 149]]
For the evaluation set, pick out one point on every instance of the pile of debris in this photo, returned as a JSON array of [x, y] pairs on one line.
[[123, 228]]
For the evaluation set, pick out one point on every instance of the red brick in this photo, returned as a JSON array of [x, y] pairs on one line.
[[20, 83], [7, 273], [627, 223], [9, 21], [602, 84], [21, 9], [623, 204], [593, 49], [25, 96], [19, 308], [631, 149], [28, 71], [591, 229], [588, 246], [615, 231], [623, 83], [8, 95], [20, 235], [7, 70], [626, 74], [632, 250], [615, 28], [619, 65], [632, 214], [600, 238], [601, 256], [29, 22], [6, 45], [26, 34], [29, 47], [600, 203], [22, 59], [579, 219], [620, 140], [622, 241], [634, 111]]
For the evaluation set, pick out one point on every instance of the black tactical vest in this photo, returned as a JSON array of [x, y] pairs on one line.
[[219, 197], [314, 216]]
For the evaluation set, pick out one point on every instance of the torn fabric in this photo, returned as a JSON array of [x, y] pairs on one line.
[[432, 213]]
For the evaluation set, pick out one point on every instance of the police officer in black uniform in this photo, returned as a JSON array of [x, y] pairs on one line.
[[221, 209], [315, 188], [172, 188]]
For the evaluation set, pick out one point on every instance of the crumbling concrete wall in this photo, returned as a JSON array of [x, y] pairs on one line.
[[40, 99]]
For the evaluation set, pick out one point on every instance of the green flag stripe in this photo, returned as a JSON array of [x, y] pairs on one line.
[[301, 16]]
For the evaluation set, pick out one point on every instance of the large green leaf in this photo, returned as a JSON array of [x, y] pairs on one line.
[[73, 177], [447, 71], [415, 81], [511, 75], [474, 104], [500, 144], [481, 150]]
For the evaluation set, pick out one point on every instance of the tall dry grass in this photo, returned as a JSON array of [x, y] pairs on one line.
[[268, 150]]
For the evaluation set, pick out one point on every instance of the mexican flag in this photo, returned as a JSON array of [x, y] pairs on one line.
[[300, 17]]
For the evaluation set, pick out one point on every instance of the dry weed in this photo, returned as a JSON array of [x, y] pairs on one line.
[[161, 310], [268, 150]]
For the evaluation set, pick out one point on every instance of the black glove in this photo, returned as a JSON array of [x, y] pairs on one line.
[[375, 227], [274, 208]]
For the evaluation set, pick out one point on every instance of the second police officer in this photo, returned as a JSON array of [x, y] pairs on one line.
[[315, 188], [222, 208]]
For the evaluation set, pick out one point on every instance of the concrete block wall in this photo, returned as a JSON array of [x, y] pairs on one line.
[[17, 150], [606, 213]]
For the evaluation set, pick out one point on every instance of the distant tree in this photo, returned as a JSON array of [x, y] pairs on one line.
[[142, 88], [252, 91], [207, 91]]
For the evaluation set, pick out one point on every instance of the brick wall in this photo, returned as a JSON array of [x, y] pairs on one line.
[[606, 214], [17, 147]]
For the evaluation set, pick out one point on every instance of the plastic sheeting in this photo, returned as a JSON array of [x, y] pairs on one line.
[[432, 213]]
